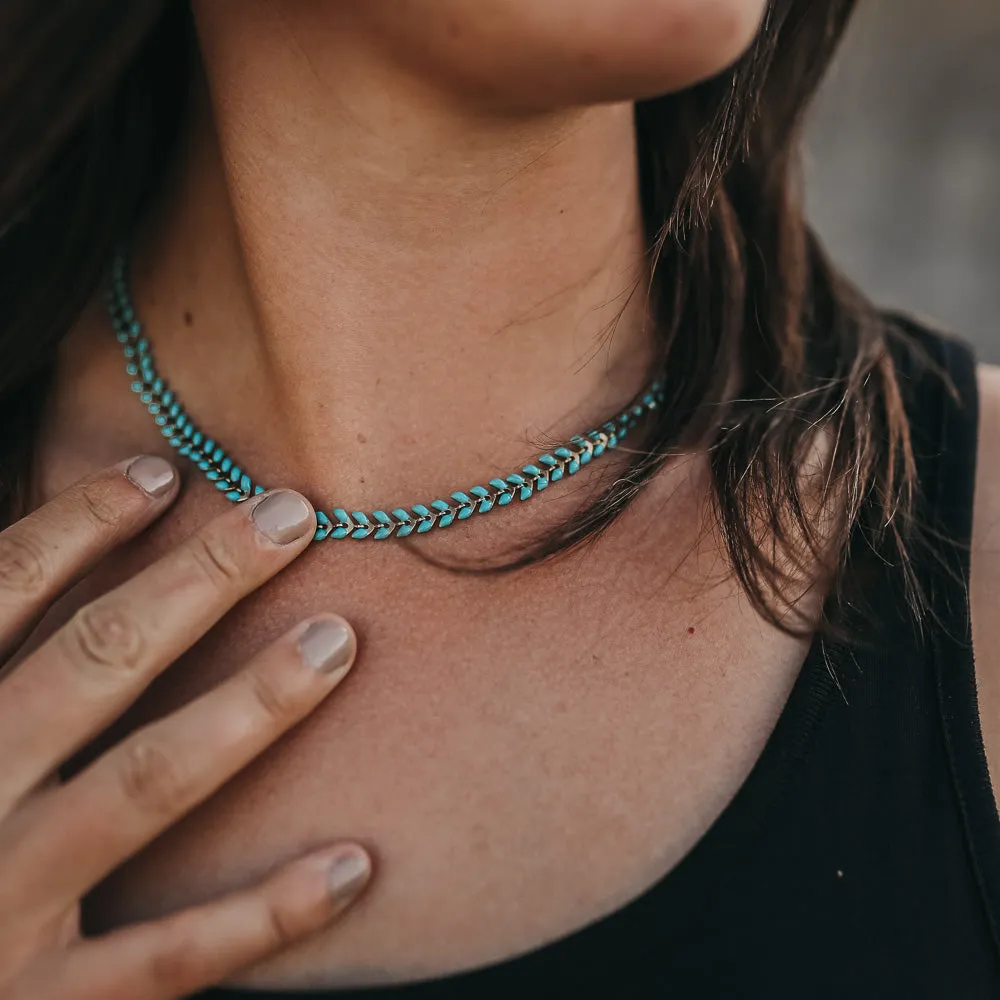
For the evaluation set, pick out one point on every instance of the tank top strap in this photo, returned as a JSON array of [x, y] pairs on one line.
[[944, 419]]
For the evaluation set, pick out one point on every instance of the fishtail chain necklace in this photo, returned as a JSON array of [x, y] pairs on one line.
[[236, 485]]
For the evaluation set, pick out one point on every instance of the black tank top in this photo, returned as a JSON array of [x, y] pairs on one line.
[[861, 857]]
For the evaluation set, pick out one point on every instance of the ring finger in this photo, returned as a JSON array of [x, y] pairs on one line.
[[67, 840]]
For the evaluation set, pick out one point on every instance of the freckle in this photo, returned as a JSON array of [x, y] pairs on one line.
[[378, 381], [188, 317], [361, 439], [690, 630]]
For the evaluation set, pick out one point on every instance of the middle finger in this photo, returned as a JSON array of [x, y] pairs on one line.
[[82, 678]]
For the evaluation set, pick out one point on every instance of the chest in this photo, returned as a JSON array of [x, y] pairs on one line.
[[523, 752]]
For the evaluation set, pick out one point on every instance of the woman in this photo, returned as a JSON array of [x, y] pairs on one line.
[[699, 718]]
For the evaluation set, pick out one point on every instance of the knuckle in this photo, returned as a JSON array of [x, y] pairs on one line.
[[179, 964], [151, 780], [24, 570], [217, 560], [100, 502], [279, 704], [282, 926], [105, 635]]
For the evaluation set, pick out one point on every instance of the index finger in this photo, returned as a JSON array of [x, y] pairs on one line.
[[43, 553]]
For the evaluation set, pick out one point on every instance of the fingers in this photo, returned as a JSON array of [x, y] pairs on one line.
[[96, 665], [196, 948], [69, 839], [41, 554]]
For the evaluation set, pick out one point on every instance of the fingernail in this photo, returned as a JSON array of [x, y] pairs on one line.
[[152, 474], [283, 517], [347, 875], [328, 645]]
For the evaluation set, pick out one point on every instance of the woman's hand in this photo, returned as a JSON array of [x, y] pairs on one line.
[[57, 841]]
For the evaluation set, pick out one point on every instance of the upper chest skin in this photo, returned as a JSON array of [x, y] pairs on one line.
[[522, 752]]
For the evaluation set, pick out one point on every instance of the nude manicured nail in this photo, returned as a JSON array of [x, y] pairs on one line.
[[152, 474], [283, 517], [328, 645], [347, 875]]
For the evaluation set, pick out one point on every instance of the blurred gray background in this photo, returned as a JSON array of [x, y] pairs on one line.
[[903, 161]]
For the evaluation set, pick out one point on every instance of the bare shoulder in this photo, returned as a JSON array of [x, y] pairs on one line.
[[984, 593], [986, 526]]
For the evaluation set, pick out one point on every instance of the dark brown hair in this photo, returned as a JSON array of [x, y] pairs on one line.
[[762, 342]]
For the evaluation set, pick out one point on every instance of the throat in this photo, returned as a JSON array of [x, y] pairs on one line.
[[381, 314]]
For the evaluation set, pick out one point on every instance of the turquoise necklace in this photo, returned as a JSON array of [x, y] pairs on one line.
[[236, 485]]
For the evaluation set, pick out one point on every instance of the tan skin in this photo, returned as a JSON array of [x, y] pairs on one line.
[[436, 238], [985, 585]]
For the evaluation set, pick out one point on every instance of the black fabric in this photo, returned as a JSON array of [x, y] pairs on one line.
[[861, 858]]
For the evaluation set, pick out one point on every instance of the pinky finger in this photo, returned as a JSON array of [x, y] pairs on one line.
[[196, 948]]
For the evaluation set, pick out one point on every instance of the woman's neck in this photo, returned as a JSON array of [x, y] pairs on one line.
[[380, 289]]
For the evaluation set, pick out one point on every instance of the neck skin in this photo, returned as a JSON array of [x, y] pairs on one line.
[[378, 295]]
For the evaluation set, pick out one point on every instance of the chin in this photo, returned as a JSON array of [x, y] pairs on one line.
[[550, 53]]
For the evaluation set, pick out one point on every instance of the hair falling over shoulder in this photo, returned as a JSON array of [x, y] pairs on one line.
[[763, 347]]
